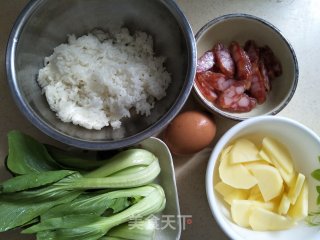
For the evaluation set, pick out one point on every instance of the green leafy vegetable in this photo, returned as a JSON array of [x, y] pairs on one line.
[[56, 197], [33, 180], [314, 217], [95, 227], [123, 160], [26, 155], [71, 160], [316, 174], [144, 229], [21, 207], [89, 203], [136, 178]]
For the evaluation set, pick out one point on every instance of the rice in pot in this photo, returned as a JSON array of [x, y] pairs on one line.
[[94, 80]]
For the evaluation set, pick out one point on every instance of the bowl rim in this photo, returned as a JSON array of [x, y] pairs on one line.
[[289, 96], [153, 129], [212, 201]]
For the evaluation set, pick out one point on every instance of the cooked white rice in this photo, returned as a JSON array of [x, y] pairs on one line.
[[94, 80]]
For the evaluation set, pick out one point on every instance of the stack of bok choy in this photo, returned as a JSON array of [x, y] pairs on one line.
[[58, 196]]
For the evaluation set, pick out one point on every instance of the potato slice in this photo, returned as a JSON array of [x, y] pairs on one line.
[[224, 189], [264, 156], [241, 210], [279, 153], [264, 220], [243, 151], [229, 193], [235, 175], [284, 205], [287, 177], [238, 194], [295, 190], [269, 180], [300, 209], [255, 194]]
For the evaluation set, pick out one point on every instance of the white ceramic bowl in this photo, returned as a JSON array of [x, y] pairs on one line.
[[240, 28], [303, 145]]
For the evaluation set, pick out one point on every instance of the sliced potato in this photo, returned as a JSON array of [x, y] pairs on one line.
[[261, 186], [279, 153], [243, 151], [255, 194], [287, 177], [269, 180], [237, 194], [264, 156], [262, 162], [235, 175], [240, 212], [284, 204], [300, 209], [263, 220], [242, 209], [296, 188], [224, 189]]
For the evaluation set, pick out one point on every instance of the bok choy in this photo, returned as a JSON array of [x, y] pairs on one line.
[[91, 226], [58, 199]]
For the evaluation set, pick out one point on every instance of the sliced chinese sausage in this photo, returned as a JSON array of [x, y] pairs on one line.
[[206, 90], [244, 104], [257, 89], [205, 62], [242, 61], [264, 75], [254, 55], [236, 79], [271, 62], [223, 85], [252, 51], [235, 100], [218, 81], [224, 60], [231, 95]]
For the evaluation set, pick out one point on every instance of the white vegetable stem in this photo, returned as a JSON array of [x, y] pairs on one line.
[[123, 160], [131, 168]]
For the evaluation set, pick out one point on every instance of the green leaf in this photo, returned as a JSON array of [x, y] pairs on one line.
[[19, 208], [318, 189], [63, 222], [313, 220], [16, 212], [33, 180], [316, 174], [73, 160], [318, 200], [26, 155], [89, 203], [92, 228]]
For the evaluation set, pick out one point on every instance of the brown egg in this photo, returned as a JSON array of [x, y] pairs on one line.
[[189, 132]]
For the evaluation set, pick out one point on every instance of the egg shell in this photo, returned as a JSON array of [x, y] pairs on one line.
[[189, 132]]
